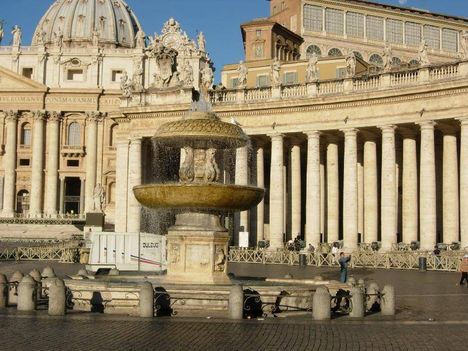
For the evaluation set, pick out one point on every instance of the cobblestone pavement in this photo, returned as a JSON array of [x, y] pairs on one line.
[[24, 332]]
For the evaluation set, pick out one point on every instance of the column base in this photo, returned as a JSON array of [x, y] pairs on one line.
[[8, 214]]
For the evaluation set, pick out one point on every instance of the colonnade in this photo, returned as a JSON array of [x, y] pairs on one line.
[[47, 185], [361, 195]]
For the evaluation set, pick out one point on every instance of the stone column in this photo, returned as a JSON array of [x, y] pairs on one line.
[[92, 119], [427, 190], [350, 193], [410, 188], [313, 189], [82, 195], [134, 178], [450, 188], [52, 166], [276, 192], [37, 176], [371, 202], [388, 193], [121, 186], [333, 192], [242, 178], [464, 182], [62, 196], [2, 182], [295, 190], [360, 180], [9, 163], [260, 184]]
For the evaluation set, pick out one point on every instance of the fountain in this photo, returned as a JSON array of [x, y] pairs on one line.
[[198, 242]]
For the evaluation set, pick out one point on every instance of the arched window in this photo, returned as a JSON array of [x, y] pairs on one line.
[[74, 134], [113, 130], [376, 59], [414, 62], [22, 201], [396, 61], [313, 49], [335, 52], [25, 134], [358, 54]]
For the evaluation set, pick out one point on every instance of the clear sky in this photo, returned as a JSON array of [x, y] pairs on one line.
[[218, 19]]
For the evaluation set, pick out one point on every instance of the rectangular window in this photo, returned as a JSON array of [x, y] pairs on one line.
[[394, 31], [75, 75], [355, 25], [27, 72], [234, 83], [258, 33], [116, 75], [449, 40], [259, 50], [24, 162], [73, 163], [375, 28], [290, 78], [412, 34], [334, 21], [313, 18], [341, 72], [432, 37], [262, 81]]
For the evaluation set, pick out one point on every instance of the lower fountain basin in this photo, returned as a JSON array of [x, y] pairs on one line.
[[209, 196]]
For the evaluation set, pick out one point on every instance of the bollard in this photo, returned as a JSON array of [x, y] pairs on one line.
[[57, 298], [114, 272], [36, 275], [13, 289], [387, 304], [361, 284], [372, 302], [83, 272], [48, 272], [321, 309], [357, 303], [3, 291], [27, 294], [351, 281], [146, 300], [236, 302]]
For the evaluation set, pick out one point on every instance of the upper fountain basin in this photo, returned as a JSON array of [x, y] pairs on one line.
[[201, 130], [204, 196]]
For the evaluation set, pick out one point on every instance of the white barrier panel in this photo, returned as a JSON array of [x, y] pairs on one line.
[[127, 251], [244, 239]]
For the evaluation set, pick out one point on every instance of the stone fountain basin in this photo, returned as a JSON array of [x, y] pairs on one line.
[[210, 196]]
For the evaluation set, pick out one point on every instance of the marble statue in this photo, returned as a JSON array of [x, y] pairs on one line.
[[220, 259], [207, 77], [242, 79], [186, 75], [59, 37], [125, 85], [39, 38], [211, 168], [276, 73], [350, 65], [464, 44], [312, 68], [186, 173], [201, 42], [137, 77], [423, 57], [98, 197], [140, 39], [17, 35], [387, 58]]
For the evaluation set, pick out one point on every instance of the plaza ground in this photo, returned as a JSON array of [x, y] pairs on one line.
[[432, 314]]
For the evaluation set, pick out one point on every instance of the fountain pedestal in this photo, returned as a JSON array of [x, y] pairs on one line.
[[197, 247]]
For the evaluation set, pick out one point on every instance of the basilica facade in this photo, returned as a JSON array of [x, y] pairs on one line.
[[356, 113]]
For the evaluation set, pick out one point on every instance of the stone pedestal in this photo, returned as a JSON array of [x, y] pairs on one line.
[[197, 250]]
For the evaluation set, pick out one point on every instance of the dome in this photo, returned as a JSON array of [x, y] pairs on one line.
[[73, 23]]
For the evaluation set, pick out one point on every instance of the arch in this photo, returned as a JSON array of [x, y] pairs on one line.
[[313, 49], [25, 138], [112, 131], [74, 134], [358, 55], [376, 59], [396, 61], [414, 62], [22, 201], [334, 52]]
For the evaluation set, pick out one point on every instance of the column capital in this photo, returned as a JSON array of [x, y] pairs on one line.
[[388, 128], [55, 116], [39, 115], [276, 135], [135, 140], [349, 131], [93, 116], [427, 124], [463, 121], [11, 115], [312, 134]]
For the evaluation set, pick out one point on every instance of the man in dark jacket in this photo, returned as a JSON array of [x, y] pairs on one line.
[[343, 261]]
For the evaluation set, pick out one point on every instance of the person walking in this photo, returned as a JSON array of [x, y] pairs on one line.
[[344, 261], [464, 270]]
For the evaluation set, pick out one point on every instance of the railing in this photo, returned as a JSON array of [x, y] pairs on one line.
[[443, 72], [62, 219], [331, 87], [367, 83], [61, 254], [294, 91], [404, 78], [258, 94], [449, 261]]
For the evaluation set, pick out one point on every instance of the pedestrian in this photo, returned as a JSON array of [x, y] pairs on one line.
[[335, 250], [464, 270], [343, 261]]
